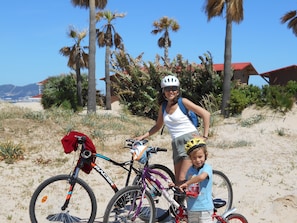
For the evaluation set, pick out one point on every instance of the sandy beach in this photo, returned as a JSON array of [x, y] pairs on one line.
[[260, 159]]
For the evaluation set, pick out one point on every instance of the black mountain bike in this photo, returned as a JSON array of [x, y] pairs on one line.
[[68, 198]]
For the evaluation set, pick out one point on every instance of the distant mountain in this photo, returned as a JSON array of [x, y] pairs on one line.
[[11, 92]]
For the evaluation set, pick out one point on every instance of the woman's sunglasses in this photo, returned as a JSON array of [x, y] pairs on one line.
[[171, 88]]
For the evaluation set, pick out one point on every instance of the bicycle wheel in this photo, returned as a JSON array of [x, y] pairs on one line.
[[236, 218], [222, 189], [130, 205], [161, 204], [49, 197]]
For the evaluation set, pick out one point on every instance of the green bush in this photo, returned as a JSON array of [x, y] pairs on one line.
[[243, 96], [138, 83], [291, 88], [277, 97], [60, 91]]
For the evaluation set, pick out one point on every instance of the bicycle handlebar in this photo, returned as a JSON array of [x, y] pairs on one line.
[[152, 149], [157, 149], [80, 139], [131, 141]]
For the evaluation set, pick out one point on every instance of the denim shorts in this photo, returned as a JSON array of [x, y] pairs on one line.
[[178, 146]]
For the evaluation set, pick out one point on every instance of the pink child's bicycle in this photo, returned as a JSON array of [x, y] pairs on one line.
[[139, 202], [180, 213]]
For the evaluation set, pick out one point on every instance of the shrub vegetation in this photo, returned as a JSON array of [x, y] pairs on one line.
[[137, 84]]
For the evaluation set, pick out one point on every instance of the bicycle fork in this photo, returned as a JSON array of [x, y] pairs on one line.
[[72, 181], [181, 214]]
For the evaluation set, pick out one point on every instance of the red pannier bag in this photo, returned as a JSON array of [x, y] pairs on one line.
[[70, 144]]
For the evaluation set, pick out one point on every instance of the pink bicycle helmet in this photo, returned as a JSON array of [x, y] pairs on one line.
[[169, 80]]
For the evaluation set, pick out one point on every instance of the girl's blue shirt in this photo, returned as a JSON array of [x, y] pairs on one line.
[[204, 200]]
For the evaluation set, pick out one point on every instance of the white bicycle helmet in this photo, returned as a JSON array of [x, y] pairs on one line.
[[169, 80]]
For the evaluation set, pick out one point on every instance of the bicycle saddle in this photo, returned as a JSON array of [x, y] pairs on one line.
[[218, 203]]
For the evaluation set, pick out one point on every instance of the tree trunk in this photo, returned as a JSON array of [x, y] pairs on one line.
[[166, 56], [227, 69], [78, 80], [107, 78], [92, 67]]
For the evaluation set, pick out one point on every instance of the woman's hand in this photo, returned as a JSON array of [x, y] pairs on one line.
[[138, 138]]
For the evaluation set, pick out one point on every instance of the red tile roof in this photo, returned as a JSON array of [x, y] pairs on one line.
[[235, 66]]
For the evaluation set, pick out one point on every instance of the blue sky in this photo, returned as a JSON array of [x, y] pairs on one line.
[[33, 32]]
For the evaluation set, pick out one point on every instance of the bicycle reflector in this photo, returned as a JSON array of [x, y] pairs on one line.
[[138, 151]]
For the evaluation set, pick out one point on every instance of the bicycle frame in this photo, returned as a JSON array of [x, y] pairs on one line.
[[147, 175], [122, 165], [181, 213], [85, 156]]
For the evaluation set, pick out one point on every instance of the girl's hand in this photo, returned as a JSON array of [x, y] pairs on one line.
[[183, 187], [171, 184]]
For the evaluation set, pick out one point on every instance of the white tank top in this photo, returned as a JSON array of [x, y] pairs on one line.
[[178, 123]]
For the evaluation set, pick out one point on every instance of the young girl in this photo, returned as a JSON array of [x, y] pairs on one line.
[[179, 125], [199, 180]]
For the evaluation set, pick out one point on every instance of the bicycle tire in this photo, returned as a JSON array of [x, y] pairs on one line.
[[124, 204], [161, 203], [49, 197], [222, 189], [236, 218]]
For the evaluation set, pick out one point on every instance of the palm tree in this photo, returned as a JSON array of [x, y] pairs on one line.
[[92, 5], [164, 25], [77, 59], [108, 37], [291, 18], [234, 12]]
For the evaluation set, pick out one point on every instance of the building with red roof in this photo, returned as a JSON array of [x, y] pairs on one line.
[[281, 76], [241, 71]]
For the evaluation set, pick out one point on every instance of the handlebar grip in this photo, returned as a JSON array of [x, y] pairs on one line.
[[161, 149]]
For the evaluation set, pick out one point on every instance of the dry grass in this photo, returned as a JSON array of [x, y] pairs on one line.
[[259, 156]]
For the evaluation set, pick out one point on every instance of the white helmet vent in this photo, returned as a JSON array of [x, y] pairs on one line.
[[169, 80]]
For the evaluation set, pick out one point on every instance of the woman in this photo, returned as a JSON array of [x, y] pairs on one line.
[[179, 125]]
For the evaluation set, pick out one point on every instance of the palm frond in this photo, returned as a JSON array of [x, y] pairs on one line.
[[291, 18], [288, 16], [101, 39], [214, 8], [293, 25], [161, 42], [65, 51], [117, 40], [235, 10], [85, 3]]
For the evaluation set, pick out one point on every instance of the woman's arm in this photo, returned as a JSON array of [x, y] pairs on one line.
[[155, 128], [203, 113]]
